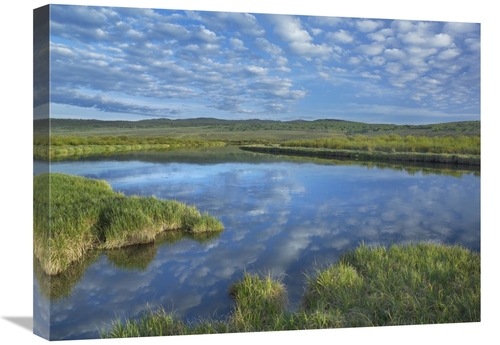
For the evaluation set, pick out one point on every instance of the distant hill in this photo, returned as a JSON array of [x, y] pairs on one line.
[[326, 125]]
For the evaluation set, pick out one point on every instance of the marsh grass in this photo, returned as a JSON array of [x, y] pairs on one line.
[[371, 286], [57, 146], [369, 155], [259, 302], [74, 214], [395, 143]]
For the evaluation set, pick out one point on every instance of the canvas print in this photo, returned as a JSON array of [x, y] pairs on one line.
[[203, 172]]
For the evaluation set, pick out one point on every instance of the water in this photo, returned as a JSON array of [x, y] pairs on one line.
[[285, 217]]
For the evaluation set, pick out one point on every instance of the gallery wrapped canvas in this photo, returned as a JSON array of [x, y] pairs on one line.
[[202, 172]]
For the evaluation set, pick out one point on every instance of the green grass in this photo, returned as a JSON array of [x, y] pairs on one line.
[[76, 138], [369, 155], [72, 145], [73, 215], [260, 301], [400, 285], [371, 286], [395, 143]]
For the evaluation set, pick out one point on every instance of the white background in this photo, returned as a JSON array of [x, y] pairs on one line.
[[16, 167]]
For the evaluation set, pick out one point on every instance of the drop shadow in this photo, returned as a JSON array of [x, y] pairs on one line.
[[25, 322]]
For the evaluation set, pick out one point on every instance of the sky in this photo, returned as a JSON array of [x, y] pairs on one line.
[[136, 63]]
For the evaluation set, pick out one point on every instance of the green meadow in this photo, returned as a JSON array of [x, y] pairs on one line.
[[407, 284], [93, 137]]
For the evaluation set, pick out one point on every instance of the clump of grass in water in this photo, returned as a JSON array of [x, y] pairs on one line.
[[74, 214], [260, 302], [370, 286], [400, 285]]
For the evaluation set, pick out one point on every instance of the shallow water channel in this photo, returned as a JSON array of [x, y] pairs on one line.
[[284, 216]]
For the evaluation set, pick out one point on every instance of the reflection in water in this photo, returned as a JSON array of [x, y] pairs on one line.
[[281, 216]]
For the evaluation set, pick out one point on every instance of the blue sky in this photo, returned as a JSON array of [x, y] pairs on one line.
[[133, 63]]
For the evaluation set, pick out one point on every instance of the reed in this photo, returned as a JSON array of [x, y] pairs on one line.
[[74, 214]]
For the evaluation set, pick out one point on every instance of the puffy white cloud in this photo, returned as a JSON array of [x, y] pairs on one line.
[[61, 50], [370, 49], [256, 70], [448, 54], [237, 43], [267, 46], [316, 31], [290, 29], [367, 25], [380, 35], [244, 22], [341, 36], [441, 40], [307, 49], [395, 54], [402, 26]]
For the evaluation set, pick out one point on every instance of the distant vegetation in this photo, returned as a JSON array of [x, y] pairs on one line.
[[395, 143], [370, 286], [446, 149], [72, 145], [89, 137], [339, 126], [473, 161], [78, 214]]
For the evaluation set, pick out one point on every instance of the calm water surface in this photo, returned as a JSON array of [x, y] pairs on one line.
[[280, 216]]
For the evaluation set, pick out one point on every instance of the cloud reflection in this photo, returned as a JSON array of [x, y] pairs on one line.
[[285, 218]]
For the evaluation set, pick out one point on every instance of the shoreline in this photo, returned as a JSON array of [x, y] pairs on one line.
[[442, 158]]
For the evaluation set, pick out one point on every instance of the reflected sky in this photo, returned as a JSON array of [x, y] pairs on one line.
[[283, 217]]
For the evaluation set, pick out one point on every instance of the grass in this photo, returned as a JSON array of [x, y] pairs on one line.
[[73, 215], [58, 146], [394, 143], [369, 155], [455, 143], [370, 286], [437, 143], [457, 149]]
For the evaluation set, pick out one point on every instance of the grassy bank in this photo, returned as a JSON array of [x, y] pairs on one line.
[[365, 155], [72, 145], [85, 214], [370, 286], [468, 145]]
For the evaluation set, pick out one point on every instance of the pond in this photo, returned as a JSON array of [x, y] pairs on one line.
[[283, 216]]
